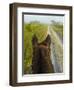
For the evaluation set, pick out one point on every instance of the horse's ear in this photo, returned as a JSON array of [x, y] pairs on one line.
[[48, 39], [34, 40]]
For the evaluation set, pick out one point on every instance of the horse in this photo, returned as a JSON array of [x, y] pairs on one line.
[[41, 60]]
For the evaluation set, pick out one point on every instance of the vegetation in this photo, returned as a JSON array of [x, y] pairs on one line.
[[58, 28]]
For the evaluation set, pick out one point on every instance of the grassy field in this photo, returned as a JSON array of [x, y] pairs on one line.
[[40, 30], [58, 28]]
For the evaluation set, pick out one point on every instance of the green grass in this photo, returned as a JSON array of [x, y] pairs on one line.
[[58, 28]]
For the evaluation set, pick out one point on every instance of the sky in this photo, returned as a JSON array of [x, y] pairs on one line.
[[43, 18]]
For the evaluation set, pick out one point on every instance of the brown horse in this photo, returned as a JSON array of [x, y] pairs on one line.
[[41, 61]]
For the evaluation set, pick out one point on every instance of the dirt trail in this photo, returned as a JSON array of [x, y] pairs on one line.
[[56, 50]]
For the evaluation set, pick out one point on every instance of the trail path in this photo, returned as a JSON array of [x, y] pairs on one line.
[[56, 50]]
